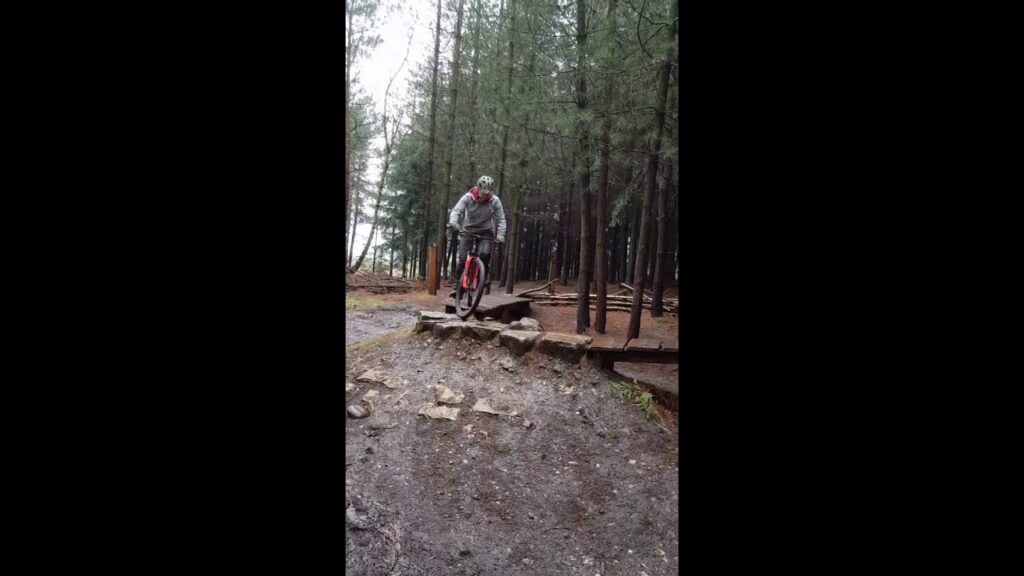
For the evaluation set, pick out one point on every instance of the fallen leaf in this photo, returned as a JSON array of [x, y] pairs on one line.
[[484, 405], [445, 395], [432, 410], [373, 376]]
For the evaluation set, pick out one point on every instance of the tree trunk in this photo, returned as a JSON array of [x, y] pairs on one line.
[[352, 236], [513, 253], [652, 180], [660, 264], [473, 92], [349, 53], [376, 208], [513, 244], [583, 282], [601, 274], [508, 104], [652, 237], [566, 246], [446, 186], [432, 289], [405, 251]]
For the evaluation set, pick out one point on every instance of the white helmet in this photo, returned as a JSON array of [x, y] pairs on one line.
[[485, 186]]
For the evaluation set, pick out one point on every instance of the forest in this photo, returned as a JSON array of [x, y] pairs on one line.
[[571, 106]]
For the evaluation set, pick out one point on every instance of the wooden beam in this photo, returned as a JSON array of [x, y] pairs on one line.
[[432, 270]]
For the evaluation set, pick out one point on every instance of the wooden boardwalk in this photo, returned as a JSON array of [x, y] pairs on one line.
[[607, 350], [501, 307]]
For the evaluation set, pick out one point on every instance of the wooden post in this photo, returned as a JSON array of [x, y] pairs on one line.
[[432, 270]]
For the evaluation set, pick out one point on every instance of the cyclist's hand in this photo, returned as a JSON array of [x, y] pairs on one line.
[[455, 228], [499, 240]]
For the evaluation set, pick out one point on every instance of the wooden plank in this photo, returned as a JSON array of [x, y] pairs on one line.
[[651, 357], [643, 345], [496, 303], [670, 345], [607, 343]]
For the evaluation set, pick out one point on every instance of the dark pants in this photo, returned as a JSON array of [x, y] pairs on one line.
[[484, 253]]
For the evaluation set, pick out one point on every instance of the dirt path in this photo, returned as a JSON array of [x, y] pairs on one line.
[[590, 487], [362, 324]]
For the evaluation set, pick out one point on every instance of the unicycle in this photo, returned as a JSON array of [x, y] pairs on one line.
[[470, 287]]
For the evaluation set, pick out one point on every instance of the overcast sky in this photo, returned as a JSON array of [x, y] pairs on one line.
[[376, 68]]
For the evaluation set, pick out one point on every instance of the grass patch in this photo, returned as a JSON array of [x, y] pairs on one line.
[[643, 399], [381, 339]]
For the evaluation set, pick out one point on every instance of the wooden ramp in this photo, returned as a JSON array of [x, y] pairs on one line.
[[504, 308], [606, 351]]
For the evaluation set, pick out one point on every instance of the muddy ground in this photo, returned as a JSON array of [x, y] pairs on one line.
[[590, 487]]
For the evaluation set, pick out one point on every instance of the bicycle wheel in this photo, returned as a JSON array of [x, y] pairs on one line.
[[467, 297]]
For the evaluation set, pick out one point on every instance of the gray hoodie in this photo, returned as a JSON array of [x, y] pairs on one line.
[[479, 218]]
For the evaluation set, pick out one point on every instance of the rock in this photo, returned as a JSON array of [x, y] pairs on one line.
[[518, 342], [568, 347], [484, 405], [482, 330], [375, 376], [355, 520], [393, 382], [526, 324], [358, 411], [432, 410], [509, 364], [349, 386], [426, 319], [527, 423], [445, 395], [370, 395], [566, 389], [443, 330]]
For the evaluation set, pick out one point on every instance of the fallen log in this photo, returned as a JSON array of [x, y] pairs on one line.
[[533, 290], [620, 307]]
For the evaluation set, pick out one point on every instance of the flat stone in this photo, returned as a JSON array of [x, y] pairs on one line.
[[670, 345], [568, 347], [358, 411], [526, 324], [442, 330], [426, 319], [607, 343], [482, 330], [643, 345], [518, 342]]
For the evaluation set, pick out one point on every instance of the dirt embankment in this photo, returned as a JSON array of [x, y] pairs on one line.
[[577, 482]]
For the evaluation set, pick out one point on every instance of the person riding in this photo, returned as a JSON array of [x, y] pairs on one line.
[[479, 213]]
